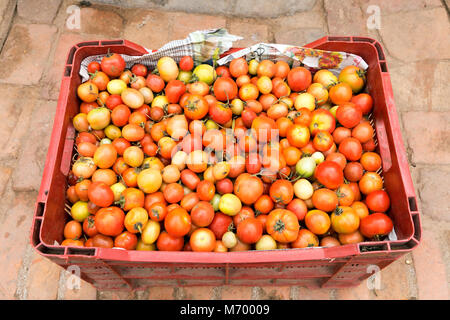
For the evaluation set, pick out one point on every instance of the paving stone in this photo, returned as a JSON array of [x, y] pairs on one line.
[[269, 9], [16, 114], [199, 293], [161, 293], [427, 136], [28, 173], [41, 11], [202, 6], [51, 81], [115, 295], [412, 86], [302, 293], [389, 7], [252, 33], [307, 20], [183, 24], [299, 37], [85, 292], [440, 91], [345, 18], [236, 293], [393, 285], [7, 9], [26, 48], [434, 195], [407, 35], [100, 22], [16, 211], [5, 173], [432, 280], [271, 293], [149, 29], [43, 279]]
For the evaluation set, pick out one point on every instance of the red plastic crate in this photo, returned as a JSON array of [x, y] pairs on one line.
[[343, 266]]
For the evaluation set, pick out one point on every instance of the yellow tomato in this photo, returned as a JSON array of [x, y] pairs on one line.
[[116, 86], [305, 100], [149, 180]]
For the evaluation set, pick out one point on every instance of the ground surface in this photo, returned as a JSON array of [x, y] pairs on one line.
[[34, 40]]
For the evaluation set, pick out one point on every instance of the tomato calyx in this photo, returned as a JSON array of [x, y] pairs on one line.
[[155, 213], [120, 202], [231, 227], [155, 71], [279, 226], [138, 226], [338, 211]]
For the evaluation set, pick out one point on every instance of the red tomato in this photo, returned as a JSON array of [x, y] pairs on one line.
[[282, 191], [202, 214], [113, 101], [351, 148], [126, 240], [298, 207], [223, 72], [248, 188], [113, 65], [93, 66], [298, 135], [249, 230], [329, 174], [110, 221], [155, 83], [166, 242], [100, 194], [220, 224], [139, 69], [364, 102], [186, 63], [189, 179], [376, 225], [378, 201], [174, 90], [238, 67], [225, 89], [348, 114], [220, 112], [177, 222], [299, 79], [203, 240], [173, 192]]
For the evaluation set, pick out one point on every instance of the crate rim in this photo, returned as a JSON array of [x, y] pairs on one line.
[[198, 257]]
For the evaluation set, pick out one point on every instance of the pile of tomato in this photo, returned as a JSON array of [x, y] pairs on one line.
[[252, 155]]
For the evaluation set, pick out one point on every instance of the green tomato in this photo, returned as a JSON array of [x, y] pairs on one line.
[[79, 211], [211, 125], [305, 167], [333, 110], [253, 67], [105, 141], [205, 73], [215, 202], [230, 204], [185, 76], [318, 157], [113, 132]]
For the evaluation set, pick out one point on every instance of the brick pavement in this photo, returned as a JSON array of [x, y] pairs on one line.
[[33, 48]]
